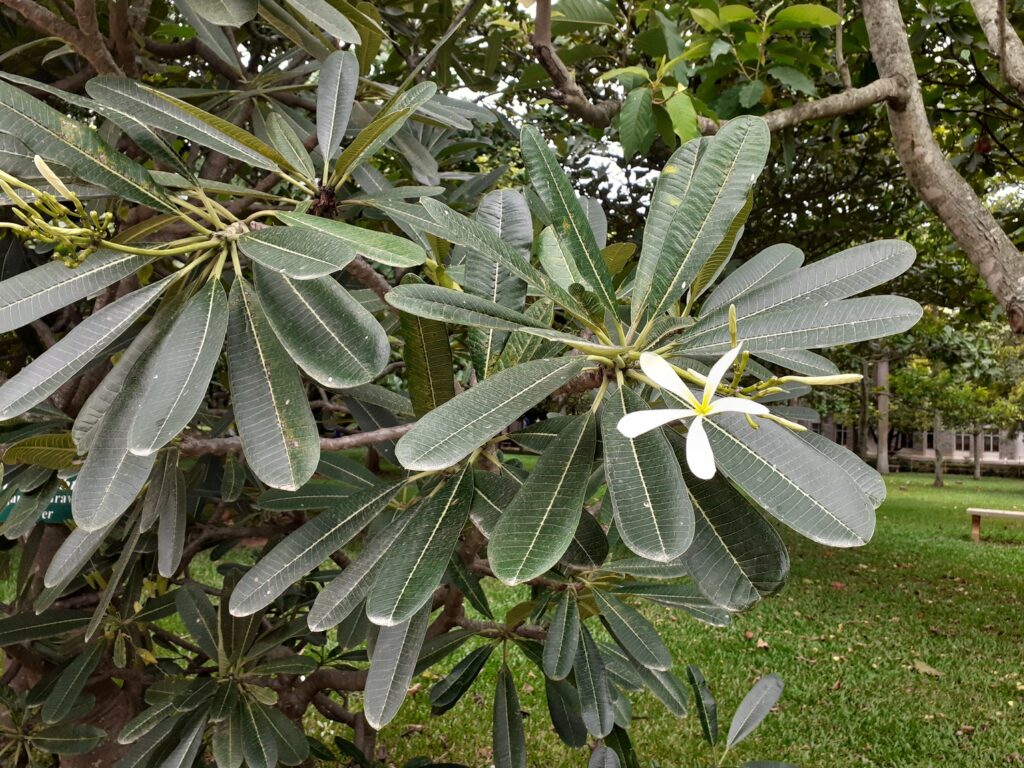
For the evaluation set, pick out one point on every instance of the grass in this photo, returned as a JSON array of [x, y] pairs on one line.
[[906, 652]]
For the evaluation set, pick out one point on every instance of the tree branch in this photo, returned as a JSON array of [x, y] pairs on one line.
[[222, 446], [1004, 41]]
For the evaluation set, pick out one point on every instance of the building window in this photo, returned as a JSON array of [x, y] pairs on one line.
[[990, 442], [842, 434], [929, 441], [816, 427], [962, 441]]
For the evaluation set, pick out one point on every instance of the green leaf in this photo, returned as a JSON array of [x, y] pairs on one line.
[[716, 262], [316, 494], [683, 116], [866, 478], [450, 306], [801, 361], [376, 246], [721, 183], [71, 683], [446, 693], [339, 78], [736, 556], [592, 683], [183, 119], [794, 79], [569, 220], [754, 708], [508, 736], [258, 743], [26, 627], [414, 567], [227, 744], [154, 744], [292, 746], [652, 510], [603, 757], [68, 738], [791, 481], [299, 252], [324, 330], [806, 16], [450, 433], [392, 666], [54, 136], [750, 93], [538, 526], [522, 347], [707, 18], [634, 633], [768, 265], [279, 435], [74, 552], [707, 710], [50, 451], [305, 549], [506, 212], [169, 503], [188, 745], [563, 702], [636, 122], [212, 35], [563, 637], [226, 13], [177, 373], [145, 722], [328, 18], [428, 361], [810, 326], [198, 616], [284, 139], [730, 14], [575, 15], [36, 292]]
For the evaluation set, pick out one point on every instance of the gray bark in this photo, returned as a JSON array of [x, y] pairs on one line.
[[1006, 45], [882, 382], [991, 252], [976, 444]]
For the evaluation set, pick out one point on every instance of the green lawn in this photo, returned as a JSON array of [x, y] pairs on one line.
[[845, 636]]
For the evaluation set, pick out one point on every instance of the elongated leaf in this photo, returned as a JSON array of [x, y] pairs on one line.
[[563, 637], [171, 528], [413, 569], [299, 252], [339, 77], [791, 481], [537, 528], [721, 182], [376, 246], [258, 743], [189, 743], [343, 595], [178, 371], [328, 18], [226, 13], [67, 738], [446, 693], [71, 683], [305, 549], [279, 435], [635, 634], [450, 433], [506, 212], [754, 708], [653, 514], [449, 306], [52, 286], [325, 330], [50, 451], [801, 361], [720, 256], [55, 136], [26, 627], [685, 597], [227, 744], [522, 347], [199, 617], [811, 327], [665, 686], [866, 478], [566, 716], [182, 119], [73, 554], [592, 683], [284, 139], [428, 361], [507, 734], [771, 263], [369, 141], [704, 702], [392, 667], [556, 260], [568, 218]]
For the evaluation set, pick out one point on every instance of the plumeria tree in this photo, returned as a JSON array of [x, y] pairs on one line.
[[262, 346]]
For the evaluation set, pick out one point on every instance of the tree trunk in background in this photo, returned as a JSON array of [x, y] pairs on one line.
[[882, 382], [976, 437], [861, 439], [937, 427]]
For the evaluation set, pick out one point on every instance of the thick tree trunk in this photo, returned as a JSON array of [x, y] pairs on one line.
[[1006, 45], [991, 252], [938, 483], [882, 382]]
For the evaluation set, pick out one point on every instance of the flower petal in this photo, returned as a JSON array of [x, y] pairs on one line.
[[718, 372], [635, 424], [699, 457], [738, 405], [658, 370]]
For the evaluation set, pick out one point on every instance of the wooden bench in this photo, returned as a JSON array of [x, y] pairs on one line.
[[977, 513]]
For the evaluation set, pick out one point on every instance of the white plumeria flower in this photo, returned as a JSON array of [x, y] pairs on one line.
[[698, 449]]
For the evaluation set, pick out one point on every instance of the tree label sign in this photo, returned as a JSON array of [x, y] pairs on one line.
[[57, 511]]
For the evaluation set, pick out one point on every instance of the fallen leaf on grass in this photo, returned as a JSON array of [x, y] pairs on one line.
[[926, 669]]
